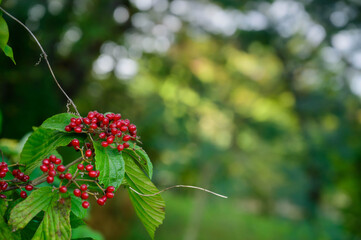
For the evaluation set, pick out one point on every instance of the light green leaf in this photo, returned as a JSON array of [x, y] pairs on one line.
[[56, 222], [58, 122], [142, 158], [6, 233], [110, 163], [40, 145], [22, 213], [4, 33], [9, 53], [150, 210]]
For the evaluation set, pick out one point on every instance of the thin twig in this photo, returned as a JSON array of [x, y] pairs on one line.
[[177, 186], [45, 57]]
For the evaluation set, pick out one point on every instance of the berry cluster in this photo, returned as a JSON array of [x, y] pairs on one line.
[[49, 167], [18, 177], [114, 131]]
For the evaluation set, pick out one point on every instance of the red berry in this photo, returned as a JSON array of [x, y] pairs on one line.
[[94, 120], [100, 117], [52, 158], [51, 166], [50, 179], [29, 187], [2, 174], [63, 189], [120, 147], [67, 128], [132, 128], [75, 142], [86, 121], [23, 194], [110, 189], [84, 195], [114, 131], [46, 161], [62, 176], [126, 145], [105, 121], [88, 153], [61, 168], [57, 161], [52, 173], [78, 121], [83, 187], [15, 172], [25, 178], [89, 167], [98, 173], [110, 139], [102, 135], [117, 117], [91, 115], [72, 125], [126, 138], [20, 175], [72, 120], [123, 128], [94, 126], [4, 186], [100, 201], [44, 168], [85, 204], [77, 192], [104, 144], [80, 166], [2, 196], [126, 122], [77, 129], [92, 174], [110, 195], [68, 176]]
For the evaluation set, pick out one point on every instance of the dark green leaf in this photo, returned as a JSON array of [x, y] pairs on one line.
[[58, 122], [150, 210], [76, 207], [110, 163], [142, 158], [26, 210], [56, 222], [40, 145], [5, 231], [75, 221]]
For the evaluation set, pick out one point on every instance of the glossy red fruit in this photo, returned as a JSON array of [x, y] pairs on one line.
[[75, 142], [98, 173], [67, 128], [110, 140], [104, 144], [85, 204], [92, 174], [132, 128], [46, 161], [110, 195], [62, 176], [50, 179], [23, 194], [4, 186], [126, 138], [110, 189], [57, 161], [77, 129], [2, 174], [83, 187], [51, 166], [68, 176], [52, 173], [120, 147], [126, 145], [61, 168], [25, 178], [78, 121], [44, 168], [63, 189], [80, 166], [102, 135], [89, 167], [15, 172], [100, 201], [77, 192], [84, 195], [88, 153], [86, 121], [2, 196], [29, 187], [52, 158], [123, 128]]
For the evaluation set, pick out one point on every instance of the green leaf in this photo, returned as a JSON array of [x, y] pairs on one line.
[[76, 207], [56, 222], [85, 232], [142, 158], [110, 163], [26, 210], [58, 122], [4, 33], [150, 210], [6, 233], [9, 53], [40, 145]]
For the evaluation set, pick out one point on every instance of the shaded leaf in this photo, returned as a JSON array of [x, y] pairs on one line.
[[142, 158], [58, 122], [110, 163], [76, 207], [41, 143], [26, 210], [150, 210]]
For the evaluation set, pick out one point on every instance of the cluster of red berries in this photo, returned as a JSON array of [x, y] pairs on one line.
[[90, 169], [114, 131], [83, 194], [49, 167], [18, 175]]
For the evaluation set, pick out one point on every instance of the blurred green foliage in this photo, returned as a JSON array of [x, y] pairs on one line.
[[257, 100]]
